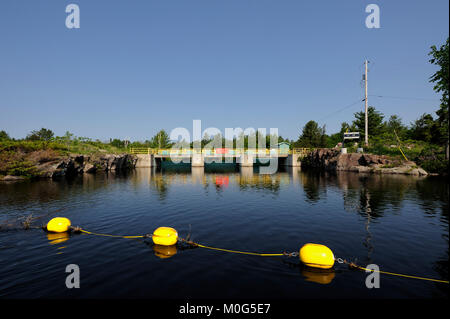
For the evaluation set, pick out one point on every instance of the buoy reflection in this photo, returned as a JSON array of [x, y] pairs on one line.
[[57, 238], [222, 181], [320, 276], [164, 252]]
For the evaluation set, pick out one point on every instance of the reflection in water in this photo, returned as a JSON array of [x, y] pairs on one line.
[[371, 195], [368, 243], [248, 179], [320, 276], [432, 191], [373, 192], [198, 175], [312, 186], [164, 252], [57, 238], [294, 174], [222, 181], [316, 275], [304, 206]]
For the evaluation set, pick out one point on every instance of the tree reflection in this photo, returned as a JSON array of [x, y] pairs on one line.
[[372, 194], [264, 182], [311, 182], [161, 184], [434, 195]]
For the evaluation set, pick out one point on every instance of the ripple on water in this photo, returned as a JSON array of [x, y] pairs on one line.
[[400, 224]]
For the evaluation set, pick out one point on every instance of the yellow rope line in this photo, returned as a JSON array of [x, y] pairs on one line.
[[401, 275], [108, 235], [264, 255], [238, 252], [399, 145], [402, 152]]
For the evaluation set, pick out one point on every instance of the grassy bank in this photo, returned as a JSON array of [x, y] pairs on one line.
[[21, 157]]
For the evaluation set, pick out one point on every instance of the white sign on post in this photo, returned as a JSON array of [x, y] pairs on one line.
[[351, 135]]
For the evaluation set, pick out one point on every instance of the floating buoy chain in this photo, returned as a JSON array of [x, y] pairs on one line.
[[353, 265], [194, 244], [81, 230], [312, 255], [292, 254]]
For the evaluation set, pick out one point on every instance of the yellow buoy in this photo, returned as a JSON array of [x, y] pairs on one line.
[[165, 236], [164, 252], [318, 256], [58, 225]]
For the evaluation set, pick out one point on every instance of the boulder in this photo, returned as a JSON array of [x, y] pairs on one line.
[[89, 168], [11, 178], [333, 160], [79, 164]]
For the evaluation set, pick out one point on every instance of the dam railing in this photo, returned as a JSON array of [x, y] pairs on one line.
[[218, 151]]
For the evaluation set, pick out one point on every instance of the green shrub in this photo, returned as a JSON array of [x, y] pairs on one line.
[[432, 159], [22, 168]]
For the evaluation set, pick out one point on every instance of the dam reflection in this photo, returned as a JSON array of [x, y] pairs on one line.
[[367, 195], [245, 178]]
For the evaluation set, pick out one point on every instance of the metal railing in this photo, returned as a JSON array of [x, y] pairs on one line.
[[221, 152]]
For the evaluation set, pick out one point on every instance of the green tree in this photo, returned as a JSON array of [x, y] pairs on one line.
[[66, 138], [42, 135], [117, 143], [4, 135], [375, 122], [425, 129], [161, 140], [345, 127], [274, 137], [205, 140], [338, 137], [440, 57], [218, 141], [312, 135], [395, 126]]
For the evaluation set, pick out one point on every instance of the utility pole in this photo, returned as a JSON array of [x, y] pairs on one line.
[[366, 135]]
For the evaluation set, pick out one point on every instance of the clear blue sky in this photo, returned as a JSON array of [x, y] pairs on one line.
[[135, 67]]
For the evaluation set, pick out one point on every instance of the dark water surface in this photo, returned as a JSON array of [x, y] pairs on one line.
[[399, 223]]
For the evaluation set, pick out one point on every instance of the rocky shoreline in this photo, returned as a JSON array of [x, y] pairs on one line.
[[334, 160], [321, 159], [74, 165]]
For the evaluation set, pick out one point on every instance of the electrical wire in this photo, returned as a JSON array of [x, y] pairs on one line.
[[403, 97]]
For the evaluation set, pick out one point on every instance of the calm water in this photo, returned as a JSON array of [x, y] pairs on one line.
[[399, 223]]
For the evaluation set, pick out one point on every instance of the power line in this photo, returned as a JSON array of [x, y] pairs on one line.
[[340, 110], [404, 98]]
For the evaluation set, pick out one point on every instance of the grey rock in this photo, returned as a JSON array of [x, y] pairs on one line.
[[11, 178]]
